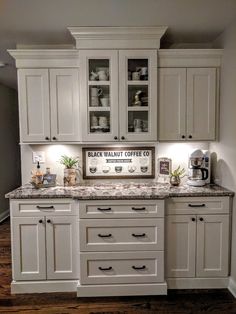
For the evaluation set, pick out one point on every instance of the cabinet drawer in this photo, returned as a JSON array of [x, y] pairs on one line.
[[198, 205], [125, 267], [42, 207], [121, 209], [120, 234]]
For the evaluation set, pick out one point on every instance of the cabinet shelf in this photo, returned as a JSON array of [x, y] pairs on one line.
[[138, 108], [138, 83], [95, 83], [99, 108]]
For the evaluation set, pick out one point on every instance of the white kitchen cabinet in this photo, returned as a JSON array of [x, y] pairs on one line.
[[44, 240], [197, 243], [119, 106], [49, 105], [116, 252], [187, 103]]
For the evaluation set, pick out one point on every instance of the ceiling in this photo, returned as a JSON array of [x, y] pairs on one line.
[[45, 22]]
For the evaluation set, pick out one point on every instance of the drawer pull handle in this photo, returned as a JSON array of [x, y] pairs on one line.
[[196, 205], [45, 207], [141, 235], [105, 268], [139, 268], [105, 235], [138, 208], [104, 209]]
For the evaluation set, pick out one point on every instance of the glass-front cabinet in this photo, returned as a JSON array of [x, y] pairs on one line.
[[118, 95]]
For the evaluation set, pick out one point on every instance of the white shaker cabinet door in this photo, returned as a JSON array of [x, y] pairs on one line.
[[180, 249], [64, 99], [212, 246], [28, 248], [61, 239], [33, 88], [172, 104], [201, 103]]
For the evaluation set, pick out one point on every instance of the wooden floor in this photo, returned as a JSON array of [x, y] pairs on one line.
[[178, 301]]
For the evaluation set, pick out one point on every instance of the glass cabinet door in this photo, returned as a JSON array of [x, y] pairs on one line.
[[99, 94], [137, 95]]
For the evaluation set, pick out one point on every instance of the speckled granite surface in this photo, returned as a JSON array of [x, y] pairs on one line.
[[118, 191]]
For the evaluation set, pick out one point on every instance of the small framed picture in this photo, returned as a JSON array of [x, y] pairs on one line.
[[164, 167]]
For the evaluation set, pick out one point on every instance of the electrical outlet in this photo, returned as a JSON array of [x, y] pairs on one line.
[[38, 156]]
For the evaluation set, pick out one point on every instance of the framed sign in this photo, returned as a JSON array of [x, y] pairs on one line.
[[164, 167], [118, 162]]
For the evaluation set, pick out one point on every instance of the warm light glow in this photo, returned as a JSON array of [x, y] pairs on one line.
[[55, 152]]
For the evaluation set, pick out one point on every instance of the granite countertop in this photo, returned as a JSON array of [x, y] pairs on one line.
[[101, 191]]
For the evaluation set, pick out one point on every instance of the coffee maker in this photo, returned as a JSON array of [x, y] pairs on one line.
[[199, 168]]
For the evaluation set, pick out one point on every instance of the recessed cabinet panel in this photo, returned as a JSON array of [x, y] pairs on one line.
[[212, 245], [172, 106], [180, 250], [65, 124], [33, 86], [61, 248], [29, 262]]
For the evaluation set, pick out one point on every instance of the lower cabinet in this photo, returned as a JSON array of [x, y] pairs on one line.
[[44, 248], [197, 244], [44, 237], [121, 248]]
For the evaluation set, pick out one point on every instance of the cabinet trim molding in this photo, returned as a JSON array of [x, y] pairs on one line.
[[117, 37]]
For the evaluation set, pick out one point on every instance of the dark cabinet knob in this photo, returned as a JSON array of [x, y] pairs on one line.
[[49, 221], [122, 137], [201, 219], [47, 138], [183, 136], [54, 138], [115, 138], [40, 221], [190, 136], [193, 219]]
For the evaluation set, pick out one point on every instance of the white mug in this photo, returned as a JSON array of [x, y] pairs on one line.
[[94, 101], [94, 121], [102, 75], [104, 101], [136, 76], [102, 121], [95, 91]]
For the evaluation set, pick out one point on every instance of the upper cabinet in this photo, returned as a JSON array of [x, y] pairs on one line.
[[187, 103], [48, 104], [188, 95], [119, 95]]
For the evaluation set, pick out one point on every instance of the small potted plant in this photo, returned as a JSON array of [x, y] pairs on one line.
[[176, 176], [70, 164]]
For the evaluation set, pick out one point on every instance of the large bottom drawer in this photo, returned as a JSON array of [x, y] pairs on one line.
[[125, 267]]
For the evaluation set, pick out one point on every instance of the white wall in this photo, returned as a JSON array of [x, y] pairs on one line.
[[225, 149], [10, 151], [178, 152]]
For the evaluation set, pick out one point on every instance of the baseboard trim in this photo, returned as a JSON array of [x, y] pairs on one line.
[[4, 215], [18, 287], [232, 286], [121, 290], [198, 283]]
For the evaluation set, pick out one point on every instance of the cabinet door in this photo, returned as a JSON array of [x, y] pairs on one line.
[[212, 246], [28, 248], [64, 96], [33, 85], [61, 247], [99, 95], [181, 242], [201, 103], [172, 104], [138, 95]]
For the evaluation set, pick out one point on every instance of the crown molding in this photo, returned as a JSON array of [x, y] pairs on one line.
[[190, 57], [117, 37], [26, 58]]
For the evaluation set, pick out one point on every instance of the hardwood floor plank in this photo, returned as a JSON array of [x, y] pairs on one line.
[[213, 301]]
